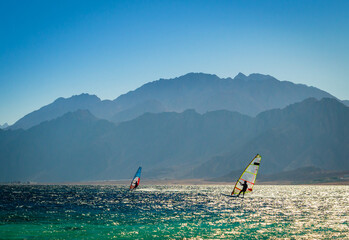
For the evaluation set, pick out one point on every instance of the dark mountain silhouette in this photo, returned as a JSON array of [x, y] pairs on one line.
[[5, 125], [54, 150], [310, 133], [248, 95], [346, 102], [79, 146]]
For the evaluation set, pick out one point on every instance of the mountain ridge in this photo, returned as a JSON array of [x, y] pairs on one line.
[[78, 146], [203, 92], [303, 130], [3, 126]]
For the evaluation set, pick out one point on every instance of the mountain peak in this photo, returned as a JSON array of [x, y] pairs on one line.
[[198, 76], [326, 101], [56, 109], [240, 76], [255, 77], [261, 77], [80, 97], [5, 125]]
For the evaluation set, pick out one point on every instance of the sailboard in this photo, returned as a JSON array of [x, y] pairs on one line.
[[136, 179], [247, 177]]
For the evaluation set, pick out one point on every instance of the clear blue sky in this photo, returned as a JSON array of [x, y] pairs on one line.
[[51, 49]]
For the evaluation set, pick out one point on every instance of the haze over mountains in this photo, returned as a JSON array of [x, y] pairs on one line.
[[76, 139], [77, 146], [248, 95]]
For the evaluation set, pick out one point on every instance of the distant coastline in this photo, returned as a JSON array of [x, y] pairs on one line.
[[194, 182]]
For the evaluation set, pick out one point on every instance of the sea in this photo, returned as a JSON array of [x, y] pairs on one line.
[[173, 212]]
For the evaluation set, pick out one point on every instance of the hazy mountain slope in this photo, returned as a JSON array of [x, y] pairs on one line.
[[56, 109], [168, 144], [151, 106], [310, 133], [74, 148], [78, 146], [58, 150], [203, 92]]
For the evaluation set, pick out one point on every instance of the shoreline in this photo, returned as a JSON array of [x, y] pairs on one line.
[[194, 182]]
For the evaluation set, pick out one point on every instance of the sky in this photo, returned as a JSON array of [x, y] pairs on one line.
[[51, 49]]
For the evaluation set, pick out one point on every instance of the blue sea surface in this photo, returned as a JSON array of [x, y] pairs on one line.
[[173, 212]]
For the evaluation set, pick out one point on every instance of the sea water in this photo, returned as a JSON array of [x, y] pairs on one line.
[[173, 212]]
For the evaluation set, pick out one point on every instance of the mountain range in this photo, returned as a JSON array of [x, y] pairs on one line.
[[78, 146], [310, 133], [247, 95]]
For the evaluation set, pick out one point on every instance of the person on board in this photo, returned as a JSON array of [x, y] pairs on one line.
[[244, 188], [135, 184]]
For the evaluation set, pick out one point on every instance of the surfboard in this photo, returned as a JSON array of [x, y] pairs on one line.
[[228, 195]]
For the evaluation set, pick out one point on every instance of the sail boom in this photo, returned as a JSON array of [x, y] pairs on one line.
[[247, 181]]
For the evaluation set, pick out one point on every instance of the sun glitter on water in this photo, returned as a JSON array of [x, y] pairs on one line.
[[173, 212]]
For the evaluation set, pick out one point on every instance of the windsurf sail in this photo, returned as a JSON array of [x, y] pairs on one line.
[[248, 176], [136, 179]]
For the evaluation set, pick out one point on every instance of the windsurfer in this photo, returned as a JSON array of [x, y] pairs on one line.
[[136, 179], [244, 188]]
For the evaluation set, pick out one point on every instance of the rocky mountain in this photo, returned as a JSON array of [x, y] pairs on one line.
[[5, 125], [310, 133], [54, 150], [80, 147], [248, 95]]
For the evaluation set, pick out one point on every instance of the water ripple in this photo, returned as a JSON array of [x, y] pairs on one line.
[[173, 212]]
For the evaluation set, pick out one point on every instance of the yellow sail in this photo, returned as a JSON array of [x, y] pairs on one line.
[[249, 175]]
